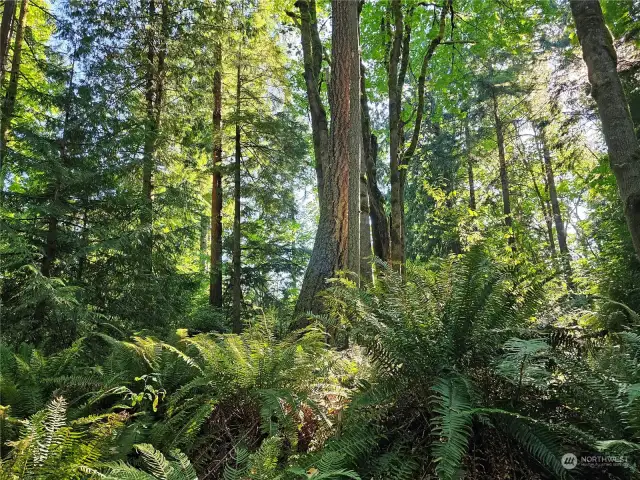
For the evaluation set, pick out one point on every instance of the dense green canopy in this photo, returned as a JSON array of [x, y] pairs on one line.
[[267, 239]]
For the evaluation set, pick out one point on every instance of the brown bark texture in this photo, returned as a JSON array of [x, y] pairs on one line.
[[617, 126]]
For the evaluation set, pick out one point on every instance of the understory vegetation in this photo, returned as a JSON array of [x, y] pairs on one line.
[[461, 368]]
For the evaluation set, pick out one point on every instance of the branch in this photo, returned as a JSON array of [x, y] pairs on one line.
[[294, 17], [454, 42], [421, 81]]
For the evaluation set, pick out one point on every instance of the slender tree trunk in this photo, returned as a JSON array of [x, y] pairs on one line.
[[622, 144], [399, 160], [5, 35], [215, 272], [379, 219], [546, 211], [355, 154], [330, 249], [204, 246], [51, 244], [366, 271], [395, 133], [504, 175], [57, 191], [470, 176], [555, 208], [9, 103], [237, 266], [153, 88], [84, 243], [403, 232], [312, 53]]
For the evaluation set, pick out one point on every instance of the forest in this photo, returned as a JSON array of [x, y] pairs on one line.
[[319, 239]]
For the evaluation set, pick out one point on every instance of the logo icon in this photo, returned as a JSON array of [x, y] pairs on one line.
[[569, 461]]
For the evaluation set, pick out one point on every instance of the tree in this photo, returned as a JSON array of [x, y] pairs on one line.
[[154, 95], [379, 219], [331, 247], [215, 272], [504, 174], [6, 24], [555, 208], [398, 62], [606, 88], [9, 102]]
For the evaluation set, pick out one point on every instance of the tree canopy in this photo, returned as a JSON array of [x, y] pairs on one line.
[[322, 239]]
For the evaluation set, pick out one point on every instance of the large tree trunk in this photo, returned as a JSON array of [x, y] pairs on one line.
[[504, 174], [622, 144], [5, 35], [330, 250], [379, 219], [555, 208], [215, 272], [237, 266], [9, 103]]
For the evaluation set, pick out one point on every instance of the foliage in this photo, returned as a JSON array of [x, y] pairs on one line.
[[491, 356]]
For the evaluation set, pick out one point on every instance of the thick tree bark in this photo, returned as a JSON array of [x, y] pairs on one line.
[[555, 208], [8, 14], [622, 144], [9, 103], [215, 272], [237, 265], [379, 219], [330, 250], [504, 174]]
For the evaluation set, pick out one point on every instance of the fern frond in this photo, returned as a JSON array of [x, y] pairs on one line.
[[451, 425]]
